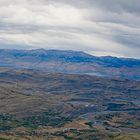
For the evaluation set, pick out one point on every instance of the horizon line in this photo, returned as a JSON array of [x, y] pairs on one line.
[[34, 49]]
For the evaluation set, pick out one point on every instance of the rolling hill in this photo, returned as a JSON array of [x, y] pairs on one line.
[[38, 105]]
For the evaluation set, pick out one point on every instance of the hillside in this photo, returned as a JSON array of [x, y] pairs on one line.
[[39, 105], [71, 62]]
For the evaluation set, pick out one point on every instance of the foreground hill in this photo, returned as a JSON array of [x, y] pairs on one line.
[[38, 106], [71, 62]]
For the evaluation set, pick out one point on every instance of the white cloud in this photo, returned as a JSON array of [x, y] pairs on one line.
[[85, 25]]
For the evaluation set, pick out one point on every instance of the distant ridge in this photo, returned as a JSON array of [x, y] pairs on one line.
[[71, 62]]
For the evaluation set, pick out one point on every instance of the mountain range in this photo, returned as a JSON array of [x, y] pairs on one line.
[[71, 62]]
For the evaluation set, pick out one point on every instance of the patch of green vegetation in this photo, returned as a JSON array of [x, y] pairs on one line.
[[7, 122], [89, 124], [46, 119], [3, 139]]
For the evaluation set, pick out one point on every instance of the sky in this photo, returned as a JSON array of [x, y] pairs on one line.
[[98, 27]]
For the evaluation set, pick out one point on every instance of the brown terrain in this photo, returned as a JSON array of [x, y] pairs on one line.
[[36, 105]]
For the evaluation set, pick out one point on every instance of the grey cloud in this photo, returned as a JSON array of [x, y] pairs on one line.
[[118, 6], [102, 27], [132, 6]]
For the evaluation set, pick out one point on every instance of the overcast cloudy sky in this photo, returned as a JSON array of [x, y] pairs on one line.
[[99, 27]]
